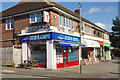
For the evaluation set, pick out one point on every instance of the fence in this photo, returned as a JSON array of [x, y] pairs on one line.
[[11, 56], [7, 55]]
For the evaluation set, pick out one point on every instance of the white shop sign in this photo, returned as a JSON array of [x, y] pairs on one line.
[[45, 16]]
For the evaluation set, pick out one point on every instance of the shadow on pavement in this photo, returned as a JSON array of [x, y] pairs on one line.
[[114, 73], [116, 62]]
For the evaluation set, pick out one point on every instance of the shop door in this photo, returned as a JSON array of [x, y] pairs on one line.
[[65, 55]]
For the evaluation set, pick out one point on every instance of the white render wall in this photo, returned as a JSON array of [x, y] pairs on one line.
[[24, 51], [51, 55], [80, 58]]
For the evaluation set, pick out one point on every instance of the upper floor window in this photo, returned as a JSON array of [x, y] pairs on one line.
[[9, 24], [90, 31], [64, 21], [95, 32], [60, 19], [69, 25], [35, 17], [72, 24], [67, 22], [87, 29], [105, 36]]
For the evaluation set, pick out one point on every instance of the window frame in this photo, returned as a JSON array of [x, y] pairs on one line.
[[10, 23], [35, 17], [72, 24], [60, 19]]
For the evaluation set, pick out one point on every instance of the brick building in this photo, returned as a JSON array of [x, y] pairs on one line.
[[49, 33]]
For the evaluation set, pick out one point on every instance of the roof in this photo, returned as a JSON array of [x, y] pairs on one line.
[[23, 7]]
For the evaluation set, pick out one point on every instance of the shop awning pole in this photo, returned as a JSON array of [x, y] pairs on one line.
[[80, 40]]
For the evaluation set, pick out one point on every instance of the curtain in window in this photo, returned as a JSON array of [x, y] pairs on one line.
[[38, 16], [32, 17]]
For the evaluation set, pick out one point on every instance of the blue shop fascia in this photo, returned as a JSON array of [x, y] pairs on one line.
[[43, 45]]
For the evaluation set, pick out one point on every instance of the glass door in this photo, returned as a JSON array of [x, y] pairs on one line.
[[64, 55]]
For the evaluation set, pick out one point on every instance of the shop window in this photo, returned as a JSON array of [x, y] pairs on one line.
[[59, 57], [35, 17], [84, 53], [9, 24], [72, 53], [37, 51]]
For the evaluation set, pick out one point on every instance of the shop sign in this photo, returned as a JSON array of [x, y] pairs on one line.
[[64, 37], [39, 37], [43, 27], [50, 36], [65, 29], [45, 16], [101, 43], [106, 44]]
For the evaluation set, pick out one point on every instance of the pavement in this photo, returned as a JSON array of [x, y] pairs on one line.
[[107, 69]]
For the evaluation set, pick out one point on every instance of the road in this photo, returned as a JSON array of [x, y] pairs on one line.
[[108, 69]]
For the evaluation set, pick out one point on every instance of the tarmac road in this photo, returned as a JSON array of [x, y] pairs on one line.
[[108, 69]]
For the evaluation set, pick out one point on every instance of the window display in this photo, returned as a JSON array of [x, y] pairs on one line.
[[38, 51], [72, 53], [59, 57]]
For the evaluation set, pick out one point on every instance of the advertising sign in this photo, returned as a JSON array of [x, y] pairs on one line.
[[64, 37], [38, 37], [50, 36], [65, 29], [37, 28], [59, 59], [106, 44], [45, 16]]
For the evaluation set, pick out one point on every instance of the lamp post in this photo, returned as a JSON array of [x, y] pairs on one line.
[[80, 39]]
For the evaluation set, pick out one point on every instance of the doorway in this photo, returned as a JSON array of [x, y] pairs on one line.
[[65, 55]]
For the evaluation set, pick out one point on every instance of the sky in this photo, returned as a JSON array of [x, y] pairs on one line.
[[100, 13]]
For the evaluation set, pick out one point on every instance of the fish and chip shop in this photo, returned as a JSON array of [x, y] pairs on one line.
[[52, 50]]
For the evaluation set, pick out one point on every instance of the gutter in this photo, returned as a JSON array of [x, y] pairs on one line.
[[53, 8], [8, 40], [26, 13]]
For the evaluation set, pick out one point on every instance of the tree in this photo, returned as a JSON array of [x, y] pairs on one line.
[[115, 37]]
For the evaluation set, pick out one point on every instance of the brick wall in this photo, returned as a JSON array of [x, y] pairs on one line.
[[20, 23], [54, 21]]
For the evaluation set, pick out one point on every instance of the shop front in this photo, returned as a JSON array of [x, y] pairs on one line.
[[90, 51], [52, 50], [107, 52], [67, 56], [101, 56]]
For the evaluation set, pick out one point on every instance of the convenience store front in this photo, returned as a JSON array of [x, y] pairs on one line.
[[52, 50]]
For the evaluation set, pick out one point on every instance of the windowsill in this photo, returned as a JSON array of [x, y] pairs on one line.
[[35, 22], [9, 29]]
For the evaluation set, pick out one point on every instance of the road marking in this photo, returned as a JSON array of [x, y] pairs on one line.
[[8, 71]]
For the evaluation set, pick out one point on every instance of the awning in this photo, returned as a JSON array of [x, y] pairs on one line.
[[90, 43], [63, 43], [110, 47]]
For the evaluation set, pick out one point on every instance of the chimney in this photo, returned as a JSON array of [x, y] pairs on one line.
[[77, 11]]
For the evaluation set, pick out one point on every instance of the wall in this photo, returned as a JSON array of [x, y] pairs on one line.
[[54, 21], [20, 23]]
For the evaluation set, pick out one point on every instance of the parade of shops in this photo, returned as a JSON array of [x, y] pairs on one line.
[[51, 36]]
